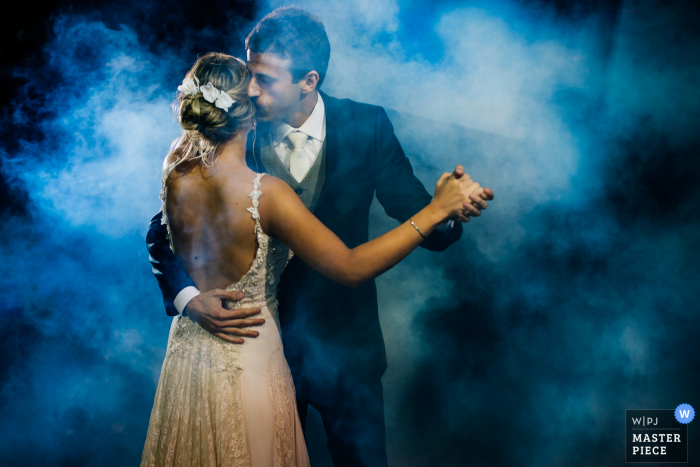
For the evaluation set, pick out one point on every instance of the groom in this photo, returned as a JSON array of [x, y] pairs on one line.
[[335, 154]]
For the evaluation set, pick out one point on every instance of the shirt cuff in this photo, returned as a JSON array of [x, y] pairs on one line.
[[442, 228], [184, 297]]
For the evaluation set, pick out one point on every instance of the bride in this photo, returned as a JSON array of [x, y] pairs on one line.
[[220, 403]]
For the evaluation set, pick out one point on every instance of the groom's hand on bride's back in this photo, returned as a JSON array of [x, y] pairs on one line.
[[207, 310]]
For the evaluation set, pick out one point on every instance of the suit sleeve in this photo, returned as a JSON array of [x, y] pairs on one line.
[[169, 272], [398, 190]]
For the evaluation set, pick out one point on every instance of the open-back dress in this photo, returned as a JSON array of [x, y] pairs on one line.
[[224, 404]]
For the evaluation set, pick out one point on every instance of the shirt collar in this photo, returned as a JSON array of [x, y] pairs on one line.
[[313, 126]]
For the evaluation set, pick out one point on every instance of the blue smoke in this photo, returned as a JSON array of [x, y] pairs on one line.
[[570, 300], [82, 352]]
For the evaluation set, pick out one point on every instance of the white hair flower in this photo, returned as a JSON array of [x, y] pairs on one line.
[[210, 93], [224, 101], [189, 87], [219, 98]]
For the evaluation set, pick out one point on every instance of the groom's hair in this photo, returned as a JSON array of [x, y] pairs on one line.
[[293, 33]]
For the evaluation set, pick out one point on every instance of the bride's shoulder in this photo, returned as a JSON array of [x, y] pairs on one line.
[[169, 159], [276, 195], [172, 160], [273, 185]]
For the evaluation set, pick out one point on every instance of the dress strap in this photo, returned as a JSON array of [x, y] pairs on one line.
[[255, 196], [163, 196]]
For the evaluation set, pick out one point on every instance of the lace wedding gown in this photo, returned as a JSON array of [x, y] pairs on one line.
[[224, 404]]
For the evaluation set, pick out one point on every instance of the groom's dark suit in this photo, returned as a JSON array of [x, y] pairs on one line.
[[331, 333]]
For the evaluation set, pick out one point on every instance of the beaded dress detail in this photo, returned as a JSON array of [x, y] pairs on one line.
[[224, 404]]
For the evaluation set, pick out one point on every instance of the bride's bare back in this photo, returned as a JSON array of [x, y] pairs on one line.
[[213, 234]]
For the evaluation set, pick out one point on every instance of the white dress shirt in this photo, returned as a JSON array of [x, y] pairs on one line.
[[315, 128]]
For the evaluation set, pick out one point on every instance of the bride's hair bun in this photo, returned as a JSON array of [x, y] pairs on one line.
[[197, 115]]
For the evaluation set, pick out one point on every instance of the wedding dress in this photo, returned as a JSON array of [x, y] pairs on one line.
[[224, 404]]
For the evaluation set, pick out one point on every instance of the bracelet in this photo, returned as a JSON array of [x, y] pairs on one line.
[[417, 229]]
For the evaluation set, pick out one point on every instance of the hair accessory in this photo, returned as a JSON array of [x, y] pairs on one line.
[[416, 227], [217, 97], [189, 87]]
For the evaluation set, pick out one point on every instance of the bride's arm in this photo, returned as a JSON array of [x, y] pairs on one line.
[[286, 217]]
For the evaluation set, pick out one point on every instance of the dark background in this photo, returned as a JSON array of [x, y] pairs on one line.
[[572, 299]]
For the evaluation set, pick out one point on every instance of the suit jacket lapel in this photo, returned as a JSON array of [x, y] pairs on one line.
[[338, 143]]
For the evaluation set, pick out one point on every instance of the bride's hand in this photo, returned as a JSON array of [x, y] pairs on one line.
[[452, 196]]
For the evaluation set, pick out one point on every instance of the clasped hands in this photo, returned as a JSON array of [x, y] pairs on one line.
[[207, 309], [474, 195]]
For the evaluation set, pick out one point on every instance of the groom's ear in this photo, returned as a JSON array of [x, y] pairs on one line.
[[309, 82]]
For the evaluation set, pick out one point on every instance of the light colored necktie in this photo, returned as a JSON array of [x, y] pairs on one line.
[[298, 160]]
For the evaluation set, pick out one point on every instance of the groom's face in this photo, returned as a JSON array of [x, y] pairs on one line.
[[275, 94]]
